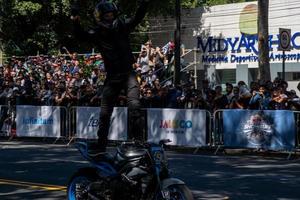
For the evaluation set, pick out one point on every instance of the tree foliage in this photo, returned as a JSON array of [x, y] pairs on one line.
[[220, 2], [44, 26]]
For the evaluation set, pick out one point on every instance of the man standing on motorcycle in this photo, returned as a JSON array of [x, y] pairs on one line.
[[111, 35]]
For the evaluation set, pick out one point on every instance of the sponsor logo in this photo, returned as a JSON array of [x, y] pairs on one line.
[[37, 121], [93, 122], [258, 130], [176, 124]]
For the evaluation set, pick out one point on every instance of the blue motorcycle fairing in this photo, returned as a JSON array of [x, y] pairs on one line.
[[104, 168]]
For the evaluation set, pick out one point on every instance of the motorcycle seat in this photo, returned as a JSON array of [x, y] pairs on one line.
[[93, 152]]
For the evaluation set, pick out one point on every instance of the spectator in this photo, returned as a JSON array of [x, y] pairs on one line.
[[260, 100], [143, 61], [236, 102], [205, 91], [38, 80], [160, 99], [293, 101], [147, 99], [229, 91], [279, 99]]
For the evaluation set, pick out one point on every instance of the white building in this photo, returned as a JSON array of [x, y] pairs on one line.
[[226, 36]]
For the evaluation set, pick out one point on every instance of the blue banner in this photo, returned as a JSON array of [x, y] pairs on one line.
[[267, 129]]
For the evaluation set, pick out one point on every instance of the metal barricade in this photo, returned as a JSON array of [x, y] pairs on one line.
[[209, 122], [72, 124], [165, 123], [38, 122], [5, 121], [88, 122], [217, 132], [64, 123], [209, 136], [297, 123]]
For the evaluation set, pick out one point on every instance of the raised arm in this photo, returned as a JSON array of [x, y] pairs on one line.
[[79, 32], [131, 23]]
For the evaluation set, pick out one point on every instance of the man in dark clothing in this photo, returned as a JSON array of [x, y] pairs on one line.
[[111, 35]]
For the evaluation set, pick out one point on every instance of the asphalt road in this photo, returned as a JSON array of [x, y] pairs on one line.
[[41, 171]]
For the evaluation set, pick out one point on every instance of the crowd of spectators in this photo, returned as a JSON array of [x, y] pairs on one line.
[[73, 80]]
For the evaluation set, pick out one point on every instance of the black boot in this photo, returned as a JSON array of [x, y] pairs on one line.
[[96, 147]]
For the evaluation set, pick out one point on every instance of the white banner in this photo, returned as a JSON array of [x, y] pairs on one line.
[[38, 121], [87, 120], [182, 127]]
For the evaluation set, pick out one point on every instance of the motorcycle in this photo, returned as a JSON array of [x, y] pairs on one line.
[[137, 171]]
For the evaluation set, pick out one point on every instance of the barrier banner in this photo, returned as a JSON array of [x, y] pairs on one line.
[[87, 122], [267, 129], [183, 127], [38, 121]]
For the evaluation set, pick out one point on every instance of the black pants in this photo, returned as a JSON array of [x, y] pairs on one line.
[[112, 88]]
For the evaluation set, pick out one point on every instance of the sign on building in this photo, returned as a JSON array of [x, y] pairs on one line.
[[284, 39]]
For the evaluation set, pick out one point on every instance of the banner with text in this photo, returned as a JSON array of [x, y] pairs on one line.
[[38, 121], [272, 130], [182, 127], [87, 122]]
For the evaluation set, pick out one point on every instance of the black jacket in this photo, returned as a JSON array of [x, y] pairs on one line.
[[113, 41]]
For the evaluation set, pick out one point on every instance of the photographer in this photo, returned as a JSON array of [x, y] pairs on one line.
[[111, 35], [279, 99], [260, 99], [236, 102]]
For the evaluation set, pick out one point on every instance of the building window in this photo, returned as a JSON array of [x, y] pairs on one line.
[[296, 76], [290, 76], [226, 76]]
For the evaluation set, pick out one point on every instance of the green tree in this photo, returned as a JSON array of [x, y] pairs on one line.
[[220, 2], [31, 26]]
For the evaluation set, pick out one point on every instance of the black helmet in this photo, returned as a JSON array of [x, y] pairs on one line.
[[104, 7]]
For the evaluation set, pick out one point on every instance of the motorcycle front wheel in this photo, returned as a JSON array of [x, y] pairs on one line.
[[176, 192], [79, 183]]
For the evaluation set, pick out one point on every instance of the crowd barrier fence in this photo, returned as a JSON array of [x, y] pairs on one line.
[[297, 121], [5, 121], [269, 129], [84, 122], [40, 121], [183, 126]]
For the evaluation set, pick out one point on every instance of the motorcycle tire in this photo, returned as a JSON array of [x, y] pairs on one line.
[[81, 178], [178, 192]]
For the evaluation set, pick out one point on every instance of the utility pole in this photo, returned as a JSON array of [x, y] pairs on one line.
[[263, 41], [177, 42]]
